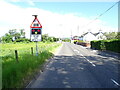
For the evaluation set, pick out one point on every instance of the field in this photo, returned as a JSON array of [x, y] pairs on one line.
[[17, 74]]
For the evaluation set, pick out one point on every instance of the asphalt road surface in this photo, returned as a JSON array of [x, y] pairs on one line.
[[77, 67]]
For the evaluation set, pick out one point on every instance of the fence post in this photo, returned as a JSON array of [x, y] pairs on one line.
[[16, 55], [32, 50]]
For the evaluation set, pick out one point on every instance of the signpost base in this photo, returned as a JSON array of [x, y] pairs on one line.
[[36, 48]]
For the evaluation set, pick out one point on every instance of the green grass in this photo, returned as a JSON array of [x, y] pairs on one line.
[[16, 74]]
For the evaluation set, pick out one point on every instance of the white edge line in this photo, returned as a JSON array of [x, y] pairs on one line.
[[115, 82]]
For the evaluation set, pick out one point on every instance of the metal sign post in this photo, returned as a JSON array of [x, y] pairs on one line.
[[36, 48], [36, 32]]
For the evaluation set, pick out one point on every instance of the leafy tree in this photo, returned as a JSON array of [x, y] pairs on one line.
[[23, 40], [22, 33], [17, 35], [66, 40], [0, 39], [118, 35], [7, 38], [46, 38], [12, 32], [55, 39], [110, 35]]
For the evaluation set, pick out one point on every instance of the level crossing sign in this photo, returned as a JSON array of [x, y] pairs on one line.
[[36, 30]]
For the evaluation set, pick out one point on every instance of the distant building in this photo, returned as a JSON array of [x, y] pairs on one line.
[[89, 36], [100, 36]]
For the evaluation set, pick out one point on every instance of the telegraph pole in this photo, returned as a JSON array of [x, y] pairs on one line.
[[78, 30], [71, 36]]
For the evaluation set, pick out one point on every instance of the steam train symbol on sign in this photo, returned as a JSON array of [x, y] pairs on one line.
[[35, 30]]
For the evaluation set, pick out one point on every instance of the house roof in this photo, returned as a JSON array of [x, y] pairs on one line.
[[95, 34], [98, 33], [86, 33]]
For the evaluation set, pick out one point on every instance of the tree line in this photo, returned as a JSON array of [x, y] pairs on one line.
[[14, 36], [112, 35]]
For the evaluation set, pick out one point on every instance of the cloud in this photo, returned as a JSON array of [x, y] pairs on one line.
[[30, 2], [55, 24], [66, 0]]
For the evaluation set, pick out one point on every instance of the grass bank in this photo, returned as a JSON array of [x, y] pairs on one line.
[[16, 74]]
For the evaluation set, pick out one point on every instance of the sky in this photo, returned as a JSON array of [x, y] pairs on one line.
[[59, 19]]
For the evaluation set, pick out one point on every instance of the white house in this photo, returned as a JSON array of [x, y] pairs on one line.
[[100, 36], [89, 36]]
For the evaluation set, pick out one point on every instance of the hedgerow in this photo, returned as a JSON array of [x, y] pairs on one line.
[[112, 45]]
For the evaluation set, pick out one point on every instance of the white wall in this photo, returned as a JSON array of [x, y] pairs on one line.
[[89, 37], [100, 36]]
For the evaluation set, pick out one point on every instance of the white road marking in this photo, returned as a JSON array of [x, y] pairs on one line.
[[76, 51], [88, 60], [84, 57], [115, 82]]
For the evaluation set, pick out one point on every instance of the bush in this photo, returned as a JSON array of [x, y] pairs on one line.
[[22, 40], [112, 45]]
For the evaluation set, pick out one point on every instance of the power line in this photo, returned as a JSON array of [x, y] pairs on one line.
[[100, 15]]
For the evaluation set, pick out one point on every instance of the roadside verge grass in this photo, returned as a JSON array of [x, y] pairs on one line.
[[16, 75]]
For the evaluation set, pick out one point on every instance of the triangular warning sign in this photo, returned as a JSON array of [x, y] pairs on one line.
[[36, 24]]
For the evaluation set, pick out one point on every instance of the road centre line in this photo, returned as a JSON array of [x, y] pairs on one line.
[[115, 82], [88, 60], [76, 51], [85, 58]]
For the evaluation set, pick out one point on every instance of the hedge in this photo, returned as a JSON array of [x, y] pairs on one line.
[[111, 45]]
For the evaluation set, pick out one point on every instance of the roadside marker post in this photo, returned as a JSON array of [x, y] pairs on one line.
[[16, 56], [32, 50]]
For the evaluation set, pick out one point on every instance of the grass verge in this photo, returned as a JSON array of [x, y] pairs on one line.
[[16, 75]]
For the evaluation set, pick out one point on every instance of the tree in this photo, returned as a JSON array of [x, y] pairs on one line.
[[0, 39], [110, 35], [12, 32], [118, 35], [17, 35], [7, 38], [22, 33], [46, 38]]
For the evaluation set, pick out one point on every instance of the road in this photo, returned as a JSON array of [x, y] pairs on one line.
[[77, 67]]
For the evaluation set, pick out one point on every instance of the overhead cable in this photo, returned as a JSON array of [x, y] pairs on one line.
[[100, 14]]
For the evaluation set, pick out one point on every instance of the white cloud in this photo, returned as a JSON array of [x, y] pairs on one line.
[[14, 0], [30, 2], [66, 0], [59, 25]]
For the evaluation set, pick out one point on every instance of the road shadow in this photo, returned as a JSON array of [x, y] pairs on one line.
[[76, 72]]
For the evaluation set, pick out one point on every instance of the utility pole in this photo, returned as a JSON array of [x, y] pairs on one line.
[[78, 30], [71, 36]]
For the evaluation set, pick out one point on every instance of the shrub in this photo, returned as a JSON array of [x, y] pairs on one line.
[[112, 45], [22, 40]]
